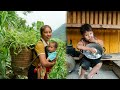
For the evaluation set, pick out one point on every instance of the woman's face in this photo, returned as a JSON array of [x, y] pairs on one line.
[[47, 33], [88, 35]]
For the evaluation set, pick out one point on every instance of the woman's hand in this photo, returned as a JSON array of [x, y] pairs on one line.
[[53, 62]]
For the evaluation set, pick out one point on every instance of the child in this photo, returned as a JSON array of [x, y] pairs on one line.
[[52, 51], [88, 37]]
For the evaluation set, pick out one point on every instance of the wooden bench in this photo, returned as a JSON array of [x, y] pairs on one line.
[[115, 56]]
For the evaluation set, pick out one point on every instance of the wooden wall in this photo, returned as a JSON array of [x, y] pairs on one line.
[[106, 26]]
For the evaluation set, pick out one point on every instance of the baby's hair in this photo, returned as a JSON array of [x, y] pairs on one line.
[[56, 44], [84, 28]]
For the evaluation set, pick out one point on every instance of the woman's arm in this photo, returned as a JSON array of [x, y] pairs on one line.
[[39, 48], [44, 61]]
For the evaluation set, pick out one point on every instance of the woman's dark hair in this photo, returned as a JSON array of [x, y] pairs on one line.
[[44, 27], [84, 28]]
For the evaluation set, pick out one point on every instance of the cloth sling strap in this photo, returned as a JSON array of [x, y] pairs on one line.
[[33, 50], [38, 55]]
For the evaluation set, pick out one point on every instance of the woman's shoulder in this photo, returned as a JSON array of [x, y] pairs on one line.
[[40, 43]]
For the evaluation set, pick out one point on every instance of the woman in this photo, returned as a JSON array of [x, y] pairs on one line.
[[38, 68]]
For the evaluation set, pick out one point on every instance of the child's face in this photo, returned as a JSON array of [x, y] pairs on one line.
[[88, 35], [51, 47]]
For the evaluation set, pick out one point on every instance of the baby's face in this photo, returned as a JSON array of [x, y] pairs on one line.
[[88, 35], [51, 47]]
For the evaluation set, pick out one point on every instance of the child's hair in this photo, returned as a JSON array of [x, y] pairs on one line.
[[84, 28], [56, 44]]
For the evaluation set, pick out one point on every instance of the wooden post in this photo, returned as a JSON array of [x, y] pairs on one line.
[[104, 17], [91, 17], [96, 17], [78, 17], [68, 17], [83, 17], [74, 16], [118, 17], [114, 18], [100, 17], [87, 17], [109, 17]]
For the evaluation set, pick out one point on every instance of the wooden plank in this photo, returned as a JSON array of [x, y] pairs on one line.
[[119, 40], [118, 17], [96, 17], [106, 41], [114, 18], [96, 32], [78, 17], [111, 34], [67, 35], [104, 17], [74, 37], [87, 17], [83, 17], [114, 41], [96, 26], [101, 34], [117, 63], [74, 17], [100, 17], [109, 17], [91, 17], [116, 70], [78, 36], [68, 17], [111, 59]]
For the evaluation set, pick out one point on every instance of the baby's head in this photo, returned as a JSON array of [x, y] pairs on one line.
[[86, 31], [52, 46]]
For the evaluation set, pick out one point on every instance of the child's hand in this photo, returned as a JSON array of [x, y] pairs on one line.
[[92, 39], [93, 50]]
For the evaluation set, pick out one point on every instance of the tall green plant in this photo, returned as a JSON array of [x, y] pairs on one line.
[[14, 33]]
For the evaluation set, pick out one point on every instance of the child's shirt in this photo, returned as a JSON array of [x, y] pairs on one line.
[[52, 55]]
